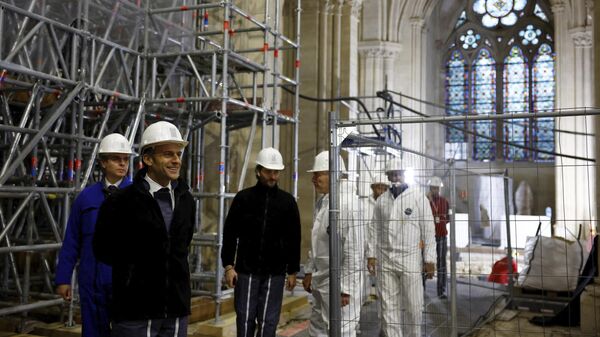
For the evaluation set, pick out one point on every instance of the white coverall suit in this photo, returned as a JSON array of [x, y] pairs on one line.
[[351, 256], [393, 238]]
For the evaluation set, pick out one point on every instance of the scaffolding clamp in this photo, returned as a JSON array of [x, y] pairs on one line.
[[2, 77]]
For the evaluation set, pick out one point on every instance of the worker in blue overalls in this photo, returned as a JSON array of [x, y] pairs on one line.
[[95, 278]]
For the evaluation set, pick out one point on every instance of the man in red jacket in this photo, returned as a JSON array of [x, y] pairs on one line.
[[439, 208]]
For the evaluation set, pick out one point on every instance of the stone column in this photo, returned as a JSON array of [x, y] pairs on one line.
[[596, 21], [414, 135], [313, 79], [575, 198], [325, 64], [584, 146], [349, 52], [377, 62], [567, 197]]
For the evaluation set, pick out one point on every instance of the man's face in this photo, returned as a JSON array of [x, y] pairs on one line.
[[321, 182], [268, 177], [378, 189], [164, 163], [435, 190], [115, 166], [396, 176]]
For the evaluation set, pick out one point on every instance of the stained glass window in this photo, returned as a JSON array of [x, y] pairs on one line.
[[499, 66], [483, 93], [456, 96], [540, 13], [499, 11], [461, 19], [470, 39], [516, 100], [543, 100], [530, 35]]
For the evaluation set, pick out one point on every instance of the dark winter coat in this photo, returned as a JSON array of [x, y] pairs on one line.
[[151, 276], [263, 227]]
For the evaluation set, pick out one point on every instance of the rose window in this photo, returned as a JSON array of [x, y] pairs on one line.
[[498, 11]]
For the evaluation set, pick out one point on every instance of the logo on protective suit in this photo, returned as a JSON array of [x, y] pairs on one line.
[[408, 211]]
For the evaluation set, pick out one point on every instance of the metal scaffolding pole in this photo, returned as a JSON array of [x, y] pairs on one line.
[[113, 67]]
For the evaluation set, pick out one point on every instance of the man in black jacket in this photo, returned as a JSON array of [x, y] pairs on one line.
[[144, 232], [261, 243]]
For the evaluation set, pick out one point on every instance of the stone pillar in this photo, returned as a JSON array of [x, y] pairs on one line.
[[575, 199], [596, 47], [377, 62], [313, 78], [414, 135], [349, 52]]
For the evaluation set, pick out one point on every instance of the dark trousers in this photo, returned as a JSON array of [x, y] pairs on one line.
[[167, 327], [258, 304], [441, 246]]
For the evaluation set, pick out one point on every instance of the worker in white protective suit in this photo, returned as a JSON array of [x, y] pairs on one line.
[[316, 280], [379, 185], [402, 218]]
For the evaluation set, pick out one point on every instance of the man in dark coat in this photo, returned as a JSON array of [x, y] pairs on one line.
[[261, 244], [144, 232]]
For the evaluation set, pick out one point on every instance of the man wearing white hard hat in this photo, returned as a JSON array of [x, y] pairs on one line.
[[316, 280], [439, 207], [402, 219], [94, 277], [144, 233], [261, 244]]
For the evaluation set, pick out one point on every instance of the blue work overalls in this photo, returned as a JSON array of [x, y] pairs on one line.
[[95, 278]]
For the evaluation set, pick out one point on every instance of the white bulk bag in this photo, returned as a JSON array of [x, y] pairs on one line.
[[552, 263]]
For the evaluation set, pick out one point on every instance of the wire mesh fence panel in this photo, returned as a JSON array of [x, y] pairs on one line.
[[448, 247]]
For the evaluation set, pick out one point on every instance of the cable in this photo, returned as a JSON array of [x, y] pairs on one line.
[[386, 96], [308, 98], [461, 112]]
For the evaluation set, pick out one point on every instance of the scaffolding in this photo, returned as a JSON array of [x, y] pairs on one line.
[[73, 71]]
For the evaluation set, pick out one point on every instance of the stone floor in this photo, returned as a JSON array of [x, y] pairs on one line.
[[474, 300]]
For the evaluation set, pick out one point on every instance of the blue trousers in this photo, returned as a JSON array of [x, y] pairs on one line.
[[95, 318], [167, 327], [257, 300]]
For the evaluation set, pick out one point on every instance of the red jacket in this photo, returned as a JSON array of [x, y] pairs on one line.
[[439, 208]]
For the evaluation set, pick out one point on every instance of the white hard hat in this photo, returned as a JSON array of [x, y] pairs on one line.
[[435, 181], [379, 179], [322, 163], [270, 158], [115, 143], [162, 133], [395, 164]]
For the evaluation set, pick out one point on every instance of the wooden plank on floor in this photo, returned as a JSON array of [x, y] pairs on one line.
[[57, 329], [203, 308], [226, 326]]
